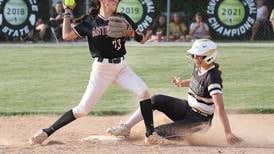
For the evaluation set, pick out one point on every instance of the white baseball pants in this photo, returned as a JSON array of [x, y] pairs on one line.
[[103, 74]]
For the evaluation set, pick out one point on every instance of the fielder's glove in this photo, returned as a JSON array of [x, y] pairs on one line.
[[118, 27], [69, 4]]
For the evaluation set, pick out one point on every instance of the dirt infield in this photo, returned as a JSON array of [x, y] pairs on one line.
[[255, 129]]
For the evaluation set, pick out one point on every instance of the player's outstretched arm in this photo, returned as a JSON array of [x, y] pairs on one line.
[[67, 32], [230, 137]]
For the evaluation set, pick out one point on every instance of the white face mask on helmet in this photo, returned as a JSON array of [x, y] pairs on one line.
[[206, 48]]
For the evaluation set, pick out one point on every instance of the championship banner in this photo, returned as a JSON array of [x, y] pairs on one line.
[[142, 12], [231, 18], [17, 17]]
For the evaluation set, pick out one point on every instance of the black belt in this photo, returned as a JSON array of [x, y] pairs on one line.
[[202, 113], [111, 60]]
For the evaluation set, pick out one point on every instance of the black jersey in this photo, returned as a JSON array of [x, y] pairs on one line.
[[202, 87], [101, 45]]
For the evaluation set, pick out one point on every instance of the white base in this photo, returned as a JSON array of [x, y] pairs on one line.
[[103, 138]]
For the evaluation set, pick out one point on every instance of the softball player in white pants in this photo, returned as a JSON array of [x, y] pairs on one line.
[[108, 67]]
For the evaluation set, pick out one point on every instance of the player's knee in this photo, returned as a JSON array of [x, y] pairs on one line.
[[157, 101], [78, 113], [143, 94]]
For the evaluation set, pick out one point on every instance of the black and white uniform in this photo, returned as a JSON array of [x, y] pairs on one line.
[[193, 114], [109, 65]]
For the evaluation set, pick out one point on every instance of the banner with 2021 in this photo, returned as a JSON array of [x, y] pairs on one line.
[[231, 18]]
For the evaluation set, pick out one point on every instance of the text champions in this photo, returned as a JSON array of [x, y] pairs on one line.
[[249, 12]]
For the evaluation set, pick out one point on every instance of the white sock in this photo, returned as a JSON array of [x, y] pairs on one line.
[[134, 119]]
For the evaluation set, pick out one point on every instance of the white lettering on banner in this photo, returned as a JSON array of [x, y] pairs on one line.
[[247, 25], [145, 24], [251, 5], [231, 32], [32, 19], [149, 19], [15, 34], [18, 30], [10, 31], [211, 6], [150, 6], [213, 23], [250, 20], [238, 29], [1, 19], [5, 29], [32, 2], [34, 8], [26, 29], [227, 32], [242, 29], [220, 29], [212, 20]]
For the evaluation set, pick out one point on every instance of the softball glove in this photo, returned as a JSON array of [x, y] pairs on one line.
[[118, 27]]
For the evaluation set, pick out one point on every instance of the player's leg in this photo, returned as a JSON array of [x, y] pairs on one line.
[[134, 118], [186, 121], [178, 110], [128, 80], [159, 102], [43, 134], [102, 76], [100, 79], [172, 107], [123, 129]]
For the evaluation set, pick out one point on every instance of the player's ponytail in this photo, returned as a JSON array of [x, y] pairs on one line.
[[220, 72], [94, 8]]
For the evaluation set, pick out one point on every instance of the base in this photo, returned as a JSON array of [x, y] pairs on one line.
[[103, 138]]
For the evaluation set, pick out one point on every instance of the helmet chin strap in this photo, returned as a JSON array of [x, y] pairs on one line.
[[211, 58], [208, 61]]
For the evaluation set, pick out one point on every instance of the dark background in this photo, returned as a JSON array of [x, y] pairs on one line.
[[187, 8]]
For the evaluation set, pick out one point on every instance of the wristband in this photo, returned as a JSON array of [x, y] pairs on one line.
[[67, 15]]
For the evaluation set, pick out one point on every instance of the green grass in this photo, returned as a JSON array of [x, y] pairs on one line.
[[35, 80]]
